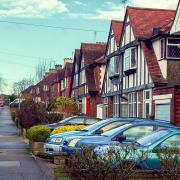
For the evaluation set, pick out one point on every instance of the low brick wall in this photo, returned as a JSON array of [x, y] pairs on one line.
[[36, 148]]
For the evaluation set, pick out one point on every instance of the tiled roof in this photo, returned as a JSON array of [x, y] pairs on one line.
[[152, 63], [91, 53], [117, 29], [144, 20], [28, 90]]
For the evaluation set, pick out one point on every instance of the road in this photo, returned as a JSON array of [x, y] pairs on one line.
[[15, 162]]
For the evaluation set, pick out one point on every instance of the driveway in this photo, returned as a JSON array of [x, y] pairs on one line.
[[15, 162]]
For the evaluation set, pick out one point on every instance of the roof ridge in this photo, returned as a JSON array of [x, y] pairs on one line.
[[154, 9]]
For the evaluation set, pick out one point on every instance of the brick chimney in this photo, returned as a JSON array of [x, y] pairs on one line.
[[67, 60]]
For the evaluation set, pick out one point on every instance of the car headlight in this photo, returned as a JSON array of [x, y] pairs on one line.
[[56, 140], [73, 142]]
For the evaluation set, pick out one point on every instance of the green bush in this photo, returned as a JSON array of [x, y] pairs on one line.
[[38, 133], [54, 117], [66, 128]]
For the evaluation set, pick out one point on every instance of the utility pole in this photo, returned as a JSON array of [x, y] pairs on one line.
[[95, 34]]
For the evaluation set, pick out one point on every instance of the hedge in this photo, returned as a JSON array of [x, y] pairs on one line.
[[67, 128], [38, 133]]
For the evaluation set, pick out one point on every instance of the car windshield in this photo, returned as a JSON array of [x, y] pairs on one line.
[[65, 120], [91, 127], [115, 130], [152, 138]]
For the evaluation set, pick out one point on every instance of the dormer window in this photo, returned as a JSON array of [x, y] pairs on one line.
[[130, 58], [173, 48]]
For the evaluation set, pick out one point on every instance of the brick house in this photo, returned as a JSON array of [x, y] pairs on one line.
[[87, 77], [28, 93], [149, 75], [65, 78]]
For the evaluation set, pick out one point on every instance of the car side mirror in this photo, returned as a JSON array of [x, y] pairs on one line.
[[99, 131], [121, 138]]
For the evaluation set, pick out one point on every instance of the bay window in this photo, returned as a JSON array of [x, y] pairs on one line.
[[114, 65], [130, 58]]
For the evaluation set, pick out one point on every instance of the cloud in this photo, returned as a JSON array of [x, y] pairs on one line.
[[80, 3], [31, 8], [111, 10]]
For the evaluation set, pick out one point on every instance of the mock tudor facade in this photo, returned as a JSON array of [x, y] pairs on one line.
[[149, 62], [111, 86]]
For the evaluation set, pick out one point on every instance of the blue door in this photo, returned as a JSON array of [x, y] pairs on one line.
[[163, 112]]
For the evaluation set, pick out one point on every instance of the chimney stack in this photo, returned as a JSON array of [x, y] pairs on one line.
[[58, 66], [67, 60]]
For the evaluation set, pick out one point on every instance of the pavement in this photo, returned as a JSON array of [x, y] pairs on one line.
[[15, 161]]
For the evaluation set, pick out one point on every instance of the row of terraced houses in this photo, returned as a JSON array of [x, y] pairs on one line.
[[136, 73]]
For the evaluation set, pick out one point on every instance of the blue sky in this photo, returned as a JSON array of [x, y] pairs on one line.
[[54, 44]]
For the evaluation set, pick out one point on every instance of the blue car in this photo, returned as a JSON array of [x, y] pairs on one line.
[[74, 120], [153, 143], [127, 133], [54, 142]]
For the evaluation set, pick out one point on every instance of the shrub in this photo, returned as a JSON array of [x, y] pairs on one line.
[[169, 158], [66, 128], [116, 165], [38, 133], [31, 113], [66, 106], [54, 117]]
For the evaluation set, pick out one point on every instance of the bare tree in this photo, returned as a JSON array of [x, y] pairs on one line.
[[21, 85], [42, 67], [2, 83]]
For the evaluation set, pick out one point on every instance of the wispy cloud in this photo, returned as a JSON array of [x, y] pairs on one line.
[[31, 8], [111, 10], [80, 3]]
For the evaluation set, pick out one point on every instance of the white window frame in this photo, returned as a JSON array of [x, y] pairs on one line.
[[105, 107], [116, 102], [147, 101], [167, 44], [132, 101], [127, 57]]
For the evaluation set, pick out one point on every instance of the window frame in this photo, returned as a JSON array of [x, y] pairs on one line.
[[116, 104], [147, 101], [162, 47], [167, 44], [128, 57]]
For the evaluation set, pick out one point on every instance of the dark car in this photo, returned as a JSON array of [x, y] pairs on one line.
[[74, 120], [15, 103]]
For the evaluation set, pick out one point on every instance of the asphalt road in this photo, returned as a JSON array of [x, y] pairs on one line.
[[15, 162]]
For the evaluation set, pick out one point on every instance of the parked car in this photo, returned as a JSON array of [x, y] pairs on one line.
[[74, 120], [154, 143], [14, 103], [54, 142], [127, 133]]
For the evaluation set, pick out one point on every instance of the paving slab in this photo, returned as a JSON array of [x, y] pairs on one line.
[[15, 161]]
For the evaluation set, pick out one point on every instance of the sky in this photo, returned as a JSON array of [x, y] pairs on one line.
[[22, 47]]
